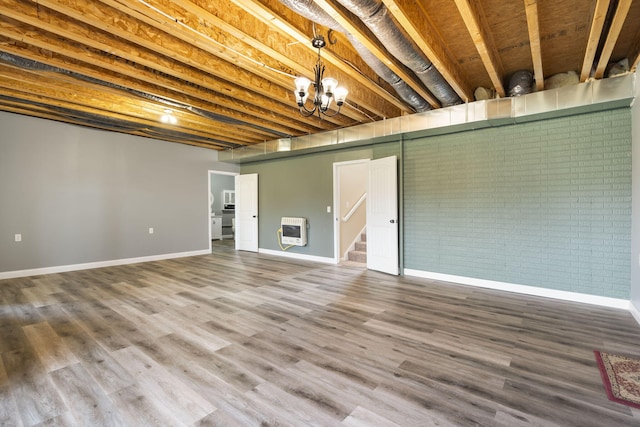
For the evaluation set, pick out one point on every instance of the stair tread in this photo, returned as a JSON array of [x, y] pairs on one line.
[[357, 256]]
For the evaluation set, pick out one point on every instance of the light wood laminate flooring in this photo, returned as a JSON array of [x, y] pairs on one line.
[[245, 339]]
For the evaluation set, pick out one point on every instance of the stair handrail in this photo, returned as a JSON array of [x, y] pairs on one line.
[[355, 207]]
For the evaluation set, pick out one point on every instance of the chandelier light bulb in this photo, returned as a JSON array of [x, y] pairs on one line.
[[168, 117], [329, 84], [302, 90], [340, 94], [326, 89], [325, 102]]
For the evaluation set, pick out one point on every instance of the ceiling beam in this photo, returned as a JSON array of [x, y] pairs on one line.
[[614, 32], [44, 112], [197, 27], [358, 30], [273, 19], [174, 94], [177, 54], [531, 9], [595, 32], [416, 22], [475, 21], [65, 92], [43, 107], [634, 54], [171, 75]]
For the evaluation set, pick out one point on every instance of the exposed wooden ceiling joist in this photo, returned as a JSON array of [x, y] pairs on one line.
[[225, 67], [475, 22], [531, 9], [303, 39], [426, 37], [612, 37], [362, 34], [595, 32], [102, 53]]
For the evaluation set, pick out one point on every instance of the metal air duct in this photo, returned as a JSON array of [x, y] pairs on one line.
[[311, 11], [375, 15]]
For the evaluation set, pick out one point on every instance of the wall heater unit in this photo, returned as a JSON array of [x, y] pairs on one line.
[[294, 231]]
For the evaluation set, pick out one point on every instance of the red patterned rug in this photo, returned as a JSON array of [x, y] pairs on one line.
[[621, 377]]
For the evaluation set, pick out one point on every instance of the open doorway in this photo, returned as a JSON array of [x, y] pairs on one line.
[[221, 206], [366, 213], [350, 214]]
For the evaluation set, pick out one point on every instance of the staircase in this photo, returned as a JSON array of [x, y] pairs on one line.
[[359, 254]]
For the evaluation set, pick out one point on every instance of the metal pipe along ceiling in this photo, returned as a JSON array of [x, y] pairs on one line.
[[29, 64], [376, 16], [312, 11]]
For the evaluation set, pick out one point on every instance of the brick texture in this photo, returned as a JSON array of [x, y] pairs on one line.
[[544, 204]]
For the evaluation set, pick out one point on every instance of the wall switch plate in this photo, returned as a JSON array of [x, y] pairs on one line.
[[150, 230], [328, 209], [18, 237]]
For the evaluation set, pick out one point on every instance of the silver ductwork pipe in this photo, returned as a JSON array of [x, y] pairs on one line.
[[29, 64], [520, 83], [313, 12], [375, 15]]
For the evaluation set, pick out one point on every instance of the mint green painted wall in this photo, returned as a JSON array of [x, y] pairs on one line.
[[544, 204], [300, 186], [635, 226]]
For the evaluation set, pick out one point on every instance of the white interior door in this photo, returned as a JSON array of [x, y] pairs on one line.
[[382, 216], [246, 234]]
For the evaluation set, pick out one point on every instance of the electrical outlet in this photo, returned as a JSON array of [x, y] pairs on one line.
[[150, 230], [18, 237]]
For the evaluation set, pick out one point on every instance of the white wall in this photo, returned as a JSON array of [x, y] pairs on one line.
[[79, 195]]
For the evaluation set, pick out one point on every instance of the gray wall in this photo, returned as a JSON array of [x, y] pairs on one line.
[[635, 239], [79, 195]]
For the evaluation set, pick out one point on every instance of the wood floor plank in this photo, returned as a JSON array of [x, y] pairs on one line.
[[362, 417], [160, 386], [51, 350], [9, 415], [302, 411], [36, 397], [86, 401], [250, 339], [137, 408]]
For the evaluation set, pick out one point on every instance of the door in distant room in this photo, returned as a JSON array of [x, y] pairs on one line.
[[247, 212], [382, 216]]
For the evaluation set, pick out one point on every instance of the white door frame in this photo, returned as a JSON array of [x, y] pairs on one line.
[[209, 176], [336, 205]]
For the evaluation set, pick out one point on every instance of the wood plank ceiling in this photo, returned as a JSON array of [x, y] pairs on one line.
[[225, 68]]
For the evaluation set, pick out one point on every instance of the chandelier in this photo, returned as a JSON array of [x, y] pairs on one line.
[[325, 89]]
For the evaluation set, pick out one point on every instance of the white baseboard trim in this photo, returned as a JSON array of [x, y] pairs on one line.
[[634, 312], [523, 289], [99, 264], [298, 256]]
